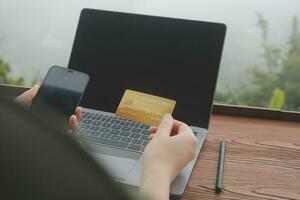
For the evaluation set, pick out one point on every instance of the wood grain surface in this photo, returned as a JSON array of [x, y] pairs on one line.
[[262, 160]]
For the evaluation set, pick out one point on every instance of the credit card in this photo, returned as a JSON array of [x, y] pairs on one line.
[[144, 107]]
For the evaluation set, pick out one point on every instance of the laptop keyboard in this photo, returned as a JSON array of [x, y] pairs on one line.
[[113, 131]]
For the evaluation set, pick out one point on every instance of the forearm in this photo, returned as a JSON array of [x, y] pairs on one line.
[[156, 185]]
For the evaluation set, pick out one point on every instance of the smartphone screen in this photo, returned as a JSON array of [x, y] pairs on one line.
[[60, 92]]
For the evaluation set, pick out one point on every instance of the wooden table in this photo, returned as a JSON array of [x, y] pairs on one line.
[[262, 160]]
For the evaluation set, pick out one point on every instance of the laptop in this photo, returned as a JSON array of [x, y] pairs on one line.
[[172, 58]]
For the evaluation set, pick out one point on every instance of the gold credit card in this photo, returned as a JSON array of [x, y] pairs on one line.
[[144, 108]]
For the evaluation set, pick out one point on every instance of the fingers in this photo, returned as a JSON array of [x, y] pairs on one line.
[[78, 112], [186, 134], [74, 119], [179, 127], [32, 92], [186, 138], [153, 129], [27, 97], [73, 123], [165, 126], [34, 89], [151, 137]]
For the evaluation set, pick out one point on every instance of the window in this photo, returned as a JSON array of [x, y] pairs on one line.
[[261, 58]]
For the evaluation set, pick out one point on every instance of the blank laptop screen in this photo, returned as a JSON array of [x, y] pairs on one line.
[[172, 58]]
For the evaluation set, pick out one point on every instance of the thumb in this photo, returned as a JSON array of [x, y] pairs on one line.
[[26, 98], [73, 123], [166, 125]]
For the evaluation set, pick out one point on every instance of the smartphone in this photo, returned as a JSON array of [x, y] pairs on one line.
[[59, 94]]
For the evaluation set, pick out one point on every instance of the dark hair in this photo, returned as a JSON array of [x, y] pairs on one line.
[[39, 162]]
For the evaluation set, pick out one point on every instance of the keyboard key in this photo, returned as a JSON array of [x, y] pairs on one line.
[[105, 119], [136, 130], [106, 125], [135, 147], [94, 128], [97, 123], [146, 132], [144, 126], [125, 133], [115, 137], [115, 121], [105, 135], [98, 118], [126, 124], [85, 126], [126, 139], [132, 124], [126, 128], [136, 141], [115, 132], [144, 137], [122, 123], [102, 140], [94, 133], [145, 143], [89, 116], [137, 125], [104, 130], [116, 126], [135, 135], [86, 121]]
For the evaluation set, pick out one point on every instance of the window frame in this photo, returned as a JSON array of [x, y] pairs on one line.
[[12, 91]]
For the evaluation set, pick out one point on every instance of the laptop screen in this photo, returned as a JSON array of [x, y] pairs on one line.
[[172, 58]]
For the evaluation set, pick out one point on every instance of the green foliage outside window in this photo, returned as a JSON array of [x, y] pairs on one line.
[[5, 75], [275, 85]]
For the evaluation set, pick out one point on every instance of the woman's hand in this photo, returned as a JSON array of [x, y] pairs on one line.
[[74, 119], [172, 147], [26, 98]]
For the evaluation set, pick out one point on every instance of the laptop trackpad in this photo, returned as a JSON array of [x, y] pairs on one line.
[[117, 167]]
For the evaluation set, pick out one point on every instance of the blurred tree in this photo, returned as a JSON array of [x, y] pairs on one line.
[[289, 77], [277, 99], [4, 75], [275, 85]]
